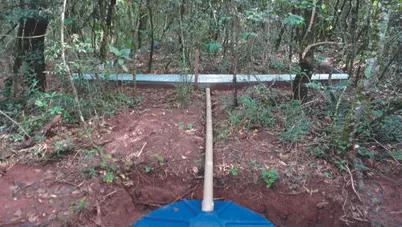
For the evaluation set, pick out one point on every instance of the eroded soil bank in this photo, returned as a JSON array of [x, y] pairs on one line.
[[153, 155]]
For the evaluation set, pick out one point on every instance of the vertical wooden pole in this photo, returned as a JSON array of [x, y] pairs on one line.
[[208, 194]]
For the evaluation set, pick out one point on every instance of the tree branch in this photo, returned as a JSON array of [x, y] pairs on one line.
[[310, 24], [308, 48]]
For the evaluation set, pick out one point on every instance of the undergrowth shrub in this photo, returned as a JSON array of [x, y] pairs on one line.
[[266, 95], [389, 129], [183, 93], [41, 107], [295, 122], [251, 113]]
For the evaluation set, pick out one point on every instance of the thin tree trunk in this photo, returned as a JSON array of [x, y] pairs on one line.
[[151, 36], [181, 36], [142, 24], [63, 57], [235, 42], [196, 66], [300, 91]]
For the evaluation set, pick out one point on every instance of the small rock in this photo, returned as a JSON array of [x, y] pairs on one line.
[[18, 213], [32, 218]]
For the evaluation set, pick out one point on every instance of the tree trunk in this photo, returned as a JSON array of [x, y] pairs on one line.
[[30, 50], [142, 25], [106, 13], [300, 91]]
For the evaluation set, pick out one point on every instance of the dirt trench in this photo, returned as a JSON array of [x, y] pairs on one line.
[[159, 148]]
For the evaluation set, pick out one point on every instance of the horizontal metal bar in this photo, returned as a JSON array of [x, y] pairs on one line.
[[204, 78]]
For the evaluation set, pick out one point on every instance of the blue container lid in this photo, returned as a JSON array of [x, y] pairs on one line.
[[189, 213]]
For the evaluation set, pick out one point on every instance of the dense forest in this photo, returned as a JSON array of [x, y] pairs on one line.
[[50, 114]]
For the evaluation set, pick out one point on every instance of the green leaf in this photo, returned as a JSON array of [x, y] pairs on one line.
[[324, 8], [40, 103], [245, 35], [124, 67], [107, 156], [125, 53], [114, 50], [213, 46], [56, 110], [269, 176], [102, 164], [121, 61], [293, 19], [148, 169], [108, 177], [397, 155]]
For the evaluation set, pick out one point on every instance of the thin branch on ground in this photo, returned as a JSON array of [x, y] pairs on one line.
[[352, 182], [16, 123], [388, 151]]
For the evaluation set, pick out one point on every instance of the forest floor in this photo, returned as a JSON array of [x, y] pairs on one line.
[[153, 155]]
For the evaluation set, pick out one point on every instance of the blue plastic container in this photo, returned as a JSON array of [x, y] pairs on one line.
[[189, 213]]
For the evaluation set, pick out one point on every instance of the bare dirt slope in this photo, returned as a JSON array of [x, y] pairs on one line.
[[154, 153]]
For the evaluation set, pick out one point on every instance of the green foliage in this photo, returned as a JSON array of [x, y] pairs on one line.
[[389, 129], [108, 178], [213, 46], [189, 126], [279, 65], [265, 95], [159, 159], [397, 155], [250, 114], [328, 175], [245, 35], [88, 172], [79, 205], [148, 169], [181, 125], [367, 154], [341, 146], [254, 164], [121, 56], [234, 171], [222, 132], [296, 123], [319, 150], [293, 19], [63, 146], [341, 164], [269, 177], [183, 93]]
